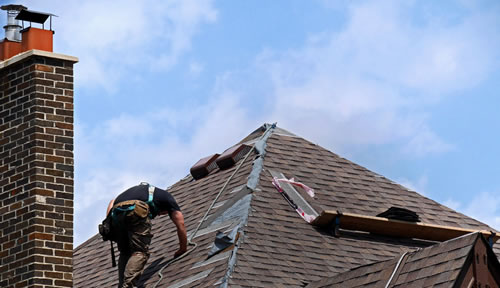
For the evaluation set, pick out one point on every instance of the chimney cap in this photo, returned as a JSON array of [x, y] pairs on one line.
[[11, 7], [33, 16]]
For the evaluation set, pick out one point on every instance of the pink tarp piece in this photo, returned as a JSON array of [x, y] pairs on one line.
[[308, 218], [292, 181]]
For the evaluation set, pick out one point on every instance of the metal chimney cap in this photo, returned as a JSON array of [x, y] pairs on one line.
[[11, 7], [33, 16]]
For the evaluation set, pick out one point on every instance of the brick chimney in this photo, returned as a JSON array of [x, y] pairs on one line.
[[36, 164]]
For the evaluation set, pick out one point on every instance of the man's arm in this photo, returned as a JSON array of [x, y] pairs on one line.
[[178, 220], [110, 205]]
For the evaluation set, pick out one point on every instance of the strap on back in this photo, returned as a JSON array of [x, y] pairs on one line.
[[152, 207], [151, 193]]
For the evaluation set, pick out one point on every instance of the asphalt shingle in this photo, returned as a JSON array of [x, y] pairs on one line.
[[277, 248], [434, 266]]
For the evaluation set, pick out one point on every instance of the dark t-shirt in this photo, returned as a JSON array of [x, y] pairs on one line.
[[163, 200]]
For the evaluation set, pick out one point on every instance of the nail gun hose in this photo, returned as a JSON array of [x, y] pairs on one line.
[[175, 260]]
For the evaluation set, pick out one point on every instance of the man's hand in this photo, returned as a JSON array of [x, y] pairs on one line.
[[179, 252]]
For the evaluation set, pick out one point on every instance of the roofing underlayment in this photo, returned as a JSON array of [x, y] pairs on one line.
[[267, 242]]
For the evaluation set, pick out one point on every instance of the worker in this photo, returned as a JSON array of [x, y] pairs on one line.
[[132, 212]]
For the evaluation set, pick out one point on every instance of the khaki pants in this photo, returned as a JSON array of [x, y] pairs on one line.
[[133, 242]]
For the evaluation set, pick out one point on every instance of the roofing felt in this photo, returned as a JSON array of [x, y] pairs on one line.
[[276, 247]]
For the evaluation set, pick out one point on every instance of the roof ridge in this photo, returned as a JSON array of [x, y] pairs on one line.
[[260, 147], [253, 180]]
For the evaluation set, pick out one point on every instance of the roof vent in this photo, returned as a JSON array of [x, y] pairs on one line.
[[12, 29], [204, 166], [397, 213], [232, 155]]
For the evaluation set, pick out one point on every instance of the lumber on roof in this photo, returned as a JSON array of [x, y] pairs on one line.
[[395, 228]]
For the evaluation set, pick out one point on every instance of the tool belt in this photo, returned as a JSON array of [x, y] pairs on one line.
[[140, 208], [137, 207]]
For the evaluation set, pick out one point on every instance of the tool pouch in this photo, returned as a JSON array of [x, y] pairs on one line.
[[141, 209], [106, 229]]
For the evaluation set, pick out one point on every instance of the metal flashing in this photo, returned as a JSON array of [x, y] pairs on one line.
[[295, 195]]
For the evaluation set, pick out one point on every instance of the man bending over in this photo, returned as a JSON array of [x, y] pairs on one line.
[[132, 212]]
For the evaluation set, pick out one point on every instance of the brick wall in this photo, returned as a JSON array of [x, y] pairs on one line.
[[36, 171]]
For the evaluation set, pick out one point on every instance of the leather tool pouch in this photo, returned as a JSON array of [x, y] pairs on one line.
[[141, 209]]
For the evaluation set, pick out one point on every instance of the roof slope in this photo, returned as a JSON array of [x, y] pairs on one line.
[[441, 265], [276, 247]]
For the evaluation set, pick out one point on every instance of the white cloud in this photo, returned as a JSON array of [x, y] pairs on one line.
[[370, 82], [108, 160], [426, 142], [367, 84], [114, 39], [127, 126], [195, 68], [484, 207], [419, 186], [453, 204]]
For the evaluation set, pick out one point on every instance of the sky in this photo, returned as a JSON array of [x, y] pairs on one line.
[[408, 89]]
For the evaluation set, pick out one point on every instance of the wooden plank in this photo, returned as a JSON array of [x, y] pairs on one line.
[[395, 228]]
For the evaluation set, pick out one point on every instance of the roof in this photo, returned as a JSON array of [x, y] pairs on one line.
[[274, 245], [440, 265]]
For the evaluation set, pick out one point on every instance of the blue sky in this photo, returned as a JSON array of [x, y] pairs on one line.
[[408, 89]]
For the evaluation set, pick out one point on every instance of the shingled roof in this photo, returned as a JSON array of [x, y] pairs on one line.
[[446, 264], [274, 246]]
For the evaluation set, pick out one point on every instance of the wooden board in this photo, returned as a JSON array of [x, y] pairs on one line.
[[395, 228]]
